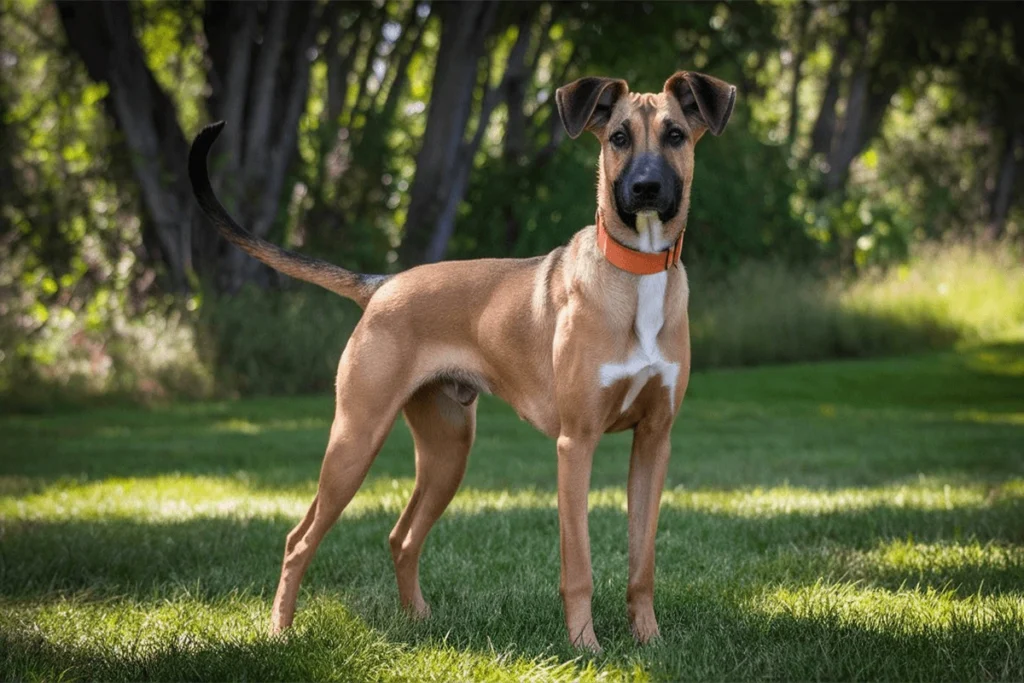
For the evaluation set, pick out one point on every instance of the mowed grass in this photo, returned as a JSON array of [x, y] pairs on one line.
[[853, 520]]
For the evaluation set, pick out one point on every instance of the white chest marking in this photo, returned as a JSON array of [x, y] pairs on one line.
[[646, 361]]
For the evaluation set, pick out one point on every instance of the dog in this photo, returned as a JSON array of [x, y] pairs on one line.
[[589, 339]]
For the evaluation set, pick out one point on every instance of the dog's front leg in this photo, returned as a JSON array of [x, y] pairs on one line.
[[575, 456], [647, 467]]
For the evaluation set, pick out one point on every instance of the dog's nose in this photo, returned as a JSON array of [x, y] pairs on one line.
[[646, 189]]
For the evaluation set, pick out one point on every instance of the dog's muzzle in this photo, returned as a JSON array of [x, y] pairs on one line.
[[648, 183]]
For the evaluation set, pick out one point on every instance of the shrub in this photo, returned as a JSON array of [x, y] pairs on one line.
[[284, 342], [52, 358]]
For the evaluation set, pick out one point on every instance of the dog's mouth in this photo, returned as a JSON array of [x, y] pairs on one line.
[[666, 207]]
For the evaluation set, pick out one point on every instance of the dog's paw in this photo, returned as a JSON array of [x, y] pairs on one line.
[[645, 628], [418, 610], [587, 641]]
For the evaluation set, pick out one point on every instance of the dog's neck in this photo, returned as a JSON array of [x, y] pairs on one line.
[[653, 252]]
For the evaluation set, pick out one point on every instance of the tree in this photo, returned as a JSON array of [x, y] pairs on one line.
[[258, 86], [465, 27], [102, 34]]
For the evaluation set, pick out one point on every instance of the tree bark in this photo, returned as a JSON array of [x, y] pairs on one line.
[[464, 162], [1002, 196], [799, 52], [103, 35], [464, 30], [260, 89], [871, 89], [825, 123], [866, 106], [271, 95]]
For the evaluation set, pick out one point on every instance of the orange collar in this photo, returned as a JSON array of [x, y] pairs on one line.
[[633, 261]]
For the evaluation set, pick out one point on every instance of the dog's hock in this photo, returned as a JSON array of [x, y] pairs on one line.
[[586, 103], [706, 101]]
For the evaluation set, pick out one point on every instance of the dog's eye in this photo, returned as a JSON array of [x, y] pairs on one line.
[[619, 139], [676, 137]]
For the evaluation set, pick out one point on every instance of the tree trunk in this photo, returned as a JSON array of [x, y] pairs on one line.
[[103, 35], [825, 124], [369, 147], [464, 162], [866, 104], [517, 79], [464, 30], [234, 25], [799, 52], [260, 89], [267, 94], [1002, 196], [340, 59]]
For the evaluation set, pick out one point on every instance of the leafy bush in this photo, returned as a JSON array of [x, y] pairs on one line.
[[52, 358], [286, 342]]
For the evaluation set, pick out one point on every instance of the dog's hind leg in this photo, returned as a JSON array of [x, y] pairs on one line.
[[443, 427], [363, 418]]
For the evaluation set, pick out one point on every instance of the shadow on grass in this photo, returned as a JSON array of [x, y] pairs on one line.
[[211, 557], [715, 447]]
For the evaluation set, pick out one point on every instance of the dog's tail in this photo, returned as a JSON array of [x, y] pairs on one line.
[[355, 286]]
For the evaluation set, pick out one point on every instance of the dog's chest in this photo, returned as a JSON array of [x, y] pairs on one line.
[[645, 360]]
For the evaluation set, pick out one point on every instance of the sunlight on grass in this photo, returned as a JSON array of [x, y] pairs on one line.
[[943, 561], [982, 417], [892, 612], [1004, 361], [182, 497], [237, 427], [249, 427], [330, 642]]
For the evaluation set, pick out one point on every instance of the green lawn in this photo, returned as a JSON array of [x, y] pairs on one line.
[[854, 520]]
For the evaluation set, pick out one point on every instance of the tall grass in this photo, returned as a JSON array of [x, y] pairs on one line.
[[944, 295], [290, 342]]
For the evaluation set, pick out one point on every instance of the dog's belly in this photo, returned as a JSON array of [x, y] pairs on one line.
[[543, 418]]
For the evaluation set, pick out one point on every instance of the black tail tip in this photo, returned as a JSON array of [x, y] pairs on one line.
[[197, 156], [211, 131]]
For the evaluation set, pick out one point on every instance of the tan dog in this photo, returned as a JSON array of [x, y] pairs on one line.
[[592, 338]]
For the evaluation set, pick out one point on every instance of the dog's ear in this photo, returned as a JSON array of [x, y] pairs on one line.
[[586, 103], [707, 101]]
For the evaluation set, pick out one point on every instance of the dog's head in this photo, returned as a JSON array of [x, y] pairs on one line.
[[647, 142]]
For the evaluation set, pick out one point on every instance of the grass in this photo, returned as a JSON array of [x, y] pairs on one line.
[[846, 520]]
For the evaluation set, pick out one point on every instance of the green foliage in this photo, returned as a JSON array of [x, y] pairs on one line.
[[855, 520], [740, 202], [282, 343], [53, 356]]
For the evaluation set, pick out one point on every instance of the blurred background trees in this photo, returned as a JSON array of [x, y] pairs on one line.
[[380, 135]]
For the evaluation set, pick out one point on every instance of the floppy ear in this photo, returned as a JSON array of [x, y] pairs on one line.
[[706, 100], [586, 103]]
